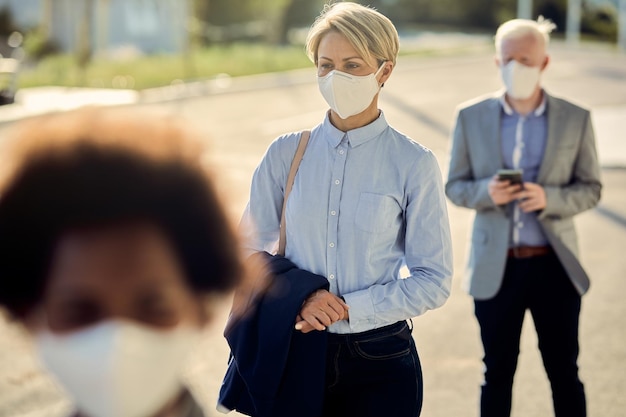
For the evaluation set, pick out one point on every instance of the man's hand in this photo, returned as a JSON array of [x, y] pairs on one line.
[[532, 197], [503, 192], [320, 310]]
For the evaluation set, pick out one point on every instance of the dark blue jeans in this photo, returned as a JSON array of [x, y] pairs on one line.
[[375, 373], [541, 285]]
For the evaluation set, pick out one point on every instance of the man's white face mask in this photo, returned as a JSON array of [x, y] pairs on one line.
[[118, 368], [520, 80], [349, 94]]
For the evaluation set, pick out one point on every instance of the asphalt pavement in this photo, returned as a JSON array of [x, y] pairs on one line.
[[240, 117]]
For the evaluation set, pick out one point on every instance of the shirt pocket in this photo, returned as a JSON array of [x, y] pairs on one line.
[[375, 213]]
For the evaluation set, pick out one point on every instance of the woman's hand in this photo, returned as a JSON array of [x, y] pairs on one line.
[[320, 310]]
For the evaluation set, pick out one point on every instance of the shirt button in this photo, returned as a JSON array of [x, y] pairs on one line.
[[331, 276], [333, 213], [331, 244], [341, 152], [337, 182]]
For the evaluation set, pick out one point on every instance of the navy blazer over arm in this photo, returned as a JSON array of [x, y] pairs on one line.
[[275, 370]]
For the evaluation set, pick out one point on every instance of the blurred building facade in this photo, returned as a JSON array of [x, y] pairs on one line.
[[149, 26]]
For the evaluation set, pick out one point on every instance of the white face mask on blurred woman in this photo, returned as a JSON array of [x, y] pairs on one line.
[[349, 94], [118, 368], [520, 80]]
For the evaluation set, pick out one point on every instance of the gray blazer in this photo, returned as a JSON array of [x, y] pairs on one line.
[[569, 173]]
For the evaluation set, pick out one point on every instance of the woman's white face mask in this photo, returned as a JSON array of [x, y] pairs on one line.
[[347, 94], [520, 80], [118, 368]]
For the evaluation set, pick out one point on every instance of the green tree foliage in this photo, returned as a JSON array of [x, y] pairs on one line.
[[298, 14], [462, 13], [7, 25], [231, 19], [555, 10], [282, 15], [84, 50], [600, 21]]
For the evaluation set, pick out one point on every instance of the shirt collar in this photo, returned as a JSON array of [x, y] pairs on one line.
[[539, 111], [356, 136]]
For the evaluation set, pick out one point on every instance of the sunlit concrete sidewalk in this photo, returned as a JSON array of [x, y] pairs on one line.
[[36, 101], [609, 128], [30, 102]]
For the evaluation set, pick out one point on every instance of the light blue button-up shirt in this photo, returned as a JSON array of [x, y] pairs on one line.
[[364, 203], [523, 144]]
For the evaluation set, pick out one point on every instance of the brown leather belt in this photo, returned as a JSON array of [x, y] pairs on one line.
[[522, 252]]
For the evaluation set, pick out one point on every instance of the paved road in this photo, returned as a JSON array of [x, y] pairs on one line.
[[419, 100]]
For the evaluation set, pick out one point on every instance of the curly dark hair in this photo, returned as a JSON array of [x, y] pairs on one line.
[[88, 169]]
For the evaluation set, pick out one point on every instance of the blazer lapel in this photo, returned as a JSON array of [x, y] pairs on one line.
[[555, 120], [490, 125]]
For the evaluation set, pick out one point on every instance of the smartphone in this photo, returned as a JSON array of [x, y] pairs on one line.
[[513, 175]]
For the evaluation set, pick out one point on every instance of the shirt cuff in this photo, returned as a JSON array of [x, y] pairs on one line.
[[362, 312]]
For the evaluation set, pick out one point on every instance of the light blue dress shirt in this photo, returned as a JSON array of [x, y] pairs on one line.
[[364, 203], [523, 145]]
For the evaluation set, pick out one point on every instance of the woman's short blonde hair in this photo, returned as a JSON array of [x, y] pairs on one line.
[[368, 31]]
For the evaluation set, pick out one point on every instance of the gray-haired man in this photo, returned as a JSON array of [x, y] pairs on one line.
[[524, 253]]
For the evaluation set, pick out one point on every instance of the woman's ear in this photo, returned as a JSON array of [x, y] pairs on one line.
[[385, 73]]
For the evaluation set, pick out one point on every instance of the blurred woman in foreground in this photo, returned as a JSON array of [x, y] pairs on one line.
[[112, 239]]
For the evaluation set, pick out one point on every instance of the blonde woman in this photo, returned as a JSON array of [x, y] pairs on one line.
[[366, 200]]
